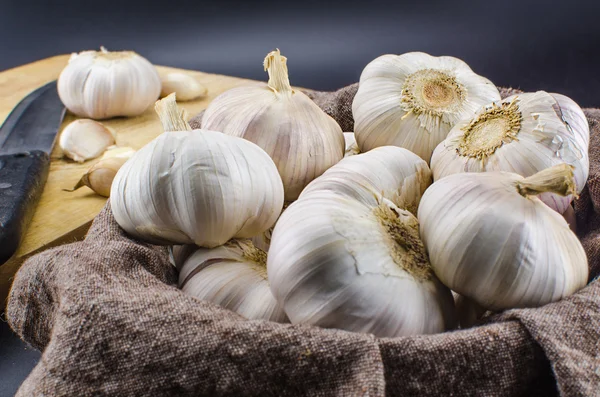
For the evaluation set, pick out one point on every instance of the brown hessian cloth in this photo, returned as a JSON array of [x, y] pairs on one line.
[[110, 321]]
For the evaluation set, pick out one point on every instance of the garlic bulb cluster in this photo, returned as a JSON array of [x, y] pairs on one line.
[[344, 256], [233, 276], [413, 100], [85, 139], [524, 134], [104, 84], [185, 87], [492, 240], [302, 140], [199, 186]]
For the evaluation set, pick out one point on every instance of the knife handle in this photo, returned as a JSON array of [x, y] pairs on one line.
[[22, 179]]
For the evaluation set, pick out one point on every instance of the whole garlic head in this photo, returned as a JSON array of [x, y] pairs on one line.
[[343, 256], [390, 172], [413, 100], [492, 240], [233, 276], [104, 84], [302, 140], [525, 133], [199, 186]]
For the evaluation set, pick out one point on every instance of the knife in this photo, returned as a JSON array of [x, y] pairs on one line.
[[26, 140]]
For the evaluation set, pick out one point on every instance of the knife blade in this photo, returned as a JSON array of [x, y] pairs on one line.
[[26, 140]]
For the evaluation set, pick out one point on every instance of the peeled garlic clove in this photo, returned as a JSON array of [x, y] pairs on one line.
[[351, 145], [413, 100], [200, 186], [186, 87], [345, 256], [233, 276], [302, 140], [85, 139], [103, 84], [524, 134], [390, 172], [100, 176], [492, 240]]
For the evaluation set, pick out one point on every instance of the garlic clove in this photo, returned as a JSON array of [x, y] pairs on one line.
[[233, 276], [85, 139], [104, 84], [490, 238], [186, 87], [100, 176], [413, 100]]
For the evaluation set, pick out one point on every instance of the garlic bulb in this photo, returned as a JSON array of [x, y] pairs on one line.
[[388, 171], [413, 100], [200, 186], [234, 276], [100, 176], [524, 134], [85, 139], [342, 258], [302, 140], [351, 145], [185, 87], [491, 239], [103, 84]]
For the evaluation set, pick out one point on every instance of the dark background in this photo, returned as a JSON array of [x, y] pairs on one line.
[[529, 44]]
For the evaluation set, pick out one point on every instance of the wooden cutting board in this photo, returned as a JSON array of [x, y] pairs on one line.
[[63, 217]]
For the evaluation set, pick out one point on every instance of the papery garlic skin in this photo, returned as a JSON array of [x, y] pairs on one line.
[[523, 134], [302, 140], [345, 256], [351, 145], [497, 247], [200, 186], [85, 139], [413, 100], [103, 84], [233, 276], [390, 172]]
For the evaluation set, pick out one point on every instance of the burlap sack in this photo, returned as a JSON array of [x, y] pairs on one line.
[[109, 320]]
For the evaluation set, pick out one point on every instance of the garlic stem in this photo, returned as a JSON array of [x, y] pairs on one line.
[[171, 117], [558, 179], [276, 65]]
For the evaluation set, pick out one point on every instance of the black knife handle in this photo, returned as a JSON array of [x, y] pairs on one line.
[[22, 179]]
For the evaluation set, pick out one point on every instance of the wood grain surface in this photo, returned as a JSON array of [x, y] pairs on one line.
[[63, 217]]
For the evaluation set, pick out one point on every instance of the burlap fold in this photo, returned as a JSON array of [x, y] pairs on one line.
[[109, 320]]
